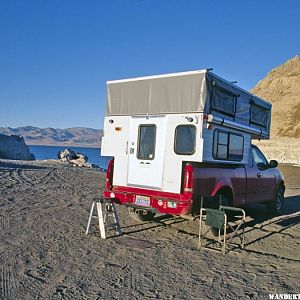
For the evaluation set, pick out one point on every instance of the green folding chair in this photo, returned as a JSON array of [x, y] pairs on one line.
[[218, 220], [240, 220], [213, 218]]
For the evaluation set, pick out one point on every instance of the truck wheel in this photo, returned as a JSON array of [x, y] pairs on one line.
[[215, 204], [276, 205], [141, 215]]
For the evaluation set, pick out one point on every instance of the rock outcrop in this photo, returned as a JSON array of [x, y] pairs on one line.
[[14, 147], [282, 88], [74, 158]]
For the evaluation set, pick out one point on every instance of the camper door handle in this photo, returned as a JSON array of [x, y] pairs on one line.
[[258, 175]]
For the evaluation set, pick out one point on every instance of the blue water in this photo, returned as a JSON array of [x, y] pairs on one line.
[[50, 152]]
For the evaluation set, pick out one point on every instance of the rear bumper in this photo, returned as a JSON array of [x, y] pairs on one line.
[[162, 202]]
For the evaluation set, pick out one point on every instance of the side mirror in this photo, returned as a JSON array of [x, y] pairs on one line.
[[273, 163], [262, 166]]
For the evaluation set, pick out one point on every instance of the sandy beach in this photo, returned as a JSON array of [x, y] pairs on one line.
[[45, 254]]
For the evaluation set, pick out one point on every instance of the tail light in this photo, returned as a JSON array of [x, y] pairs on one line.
[[188, 181], [109, 174]]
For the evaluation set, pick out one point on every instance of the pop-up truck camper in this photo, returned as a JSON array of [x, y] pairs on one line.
[[177, 137]]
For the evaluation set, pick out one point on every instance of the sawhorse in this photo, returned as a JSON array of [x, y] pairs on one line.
[[106, 209]]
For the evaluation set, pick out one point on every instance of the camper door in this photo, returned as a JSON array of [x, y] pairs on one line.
[[146, 151]]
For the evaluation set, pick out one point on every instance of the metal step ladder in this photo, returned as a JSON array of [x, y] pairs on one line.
[[106, 211]]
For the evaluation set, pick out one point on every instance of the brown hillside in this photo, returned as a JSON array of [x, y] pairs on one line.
[[282, 88], [75, 136]]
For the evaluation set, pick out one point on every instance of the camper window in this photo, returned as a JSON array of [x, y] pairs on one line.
[[258, 115], [185, 139], [228, 146], [146, 142], [223, 101]]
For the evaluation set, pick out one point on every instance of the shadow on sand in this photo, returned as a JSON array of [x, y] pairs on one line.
[[160, 221], [290, 216], [259, 214], [261, 218]]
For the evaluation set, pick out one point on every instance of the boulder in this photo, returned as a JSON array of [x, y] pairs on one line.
[[67, 154], [14, 147], [74, 158]]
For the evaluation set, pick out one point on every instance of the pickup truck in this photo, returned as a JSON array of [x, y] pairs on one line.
[[238, 186]]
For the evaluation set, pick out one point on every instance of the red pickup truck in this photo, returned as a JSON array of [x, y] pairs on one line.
[[238, 185]]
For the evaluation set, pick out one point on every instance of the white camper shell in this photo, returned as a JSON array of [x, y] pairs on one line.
[[154, 124]]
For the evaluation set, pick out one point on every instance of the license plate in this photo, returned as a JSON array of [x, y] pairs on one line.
[[142, 200]]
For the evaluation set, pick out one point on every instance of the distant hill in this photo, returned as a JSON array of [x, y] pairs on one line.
[[282, 88], [76, 136]]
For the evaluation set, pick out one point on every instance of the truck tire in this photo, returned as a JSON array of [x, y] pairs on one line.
[[276, 205], [141, 215]]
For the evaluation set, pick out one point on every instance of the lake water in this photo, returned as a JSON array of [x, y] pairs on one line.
[[50, 152]]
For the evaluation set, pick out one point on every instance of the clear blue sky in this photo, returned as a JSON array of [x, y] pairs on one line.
[[55, 56]]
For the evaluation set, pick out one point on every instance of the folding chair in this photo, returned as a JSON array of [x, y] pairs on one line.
[[213, 218], [218, 219], [240, 219]]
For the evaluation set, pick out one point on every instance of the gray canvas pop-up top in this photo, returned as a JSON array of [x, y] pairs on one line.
[[188, 92]]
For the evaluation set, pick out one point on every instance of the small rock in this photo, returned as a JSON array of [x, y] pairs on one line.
[[74, 158], [67, 154]]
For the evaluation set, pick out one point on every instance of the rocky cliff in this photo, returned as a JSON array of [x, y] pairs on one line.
[[14, 147], [282, 88]]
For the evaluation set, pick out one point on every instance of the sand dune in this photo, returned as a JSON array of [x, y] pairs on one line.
[[44, 253]]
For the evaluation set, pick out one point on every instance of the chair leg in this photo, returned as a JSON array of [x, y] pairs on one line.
[[243, 234], [225, 225], [200, 229]]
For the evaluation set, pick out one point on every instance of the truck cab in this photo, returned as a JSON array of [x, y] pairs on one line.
[[265, 182]]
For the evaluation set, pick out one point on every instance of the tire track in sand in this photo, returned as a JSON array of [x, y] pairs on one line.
[[19, 177], [63, 180], [34, 281], [4, 221], [16, 177], [9, 279], [54, 176], [7, 175], [4, 173], [22, 178]]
